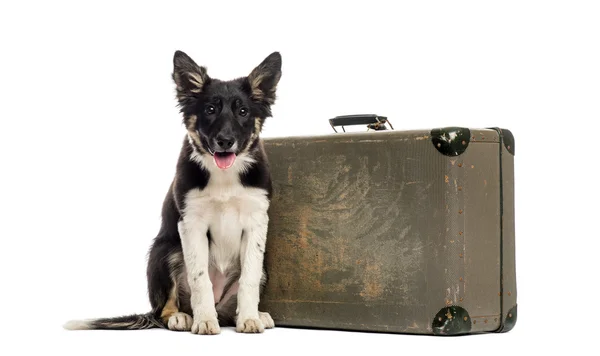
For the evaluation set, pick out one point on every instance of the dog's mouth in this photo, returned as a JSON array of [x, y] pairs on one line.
[[224, 160]]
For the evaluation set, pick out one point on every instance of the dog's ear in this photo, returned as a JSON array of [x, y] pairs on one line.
[[188, 76], [264, 78]]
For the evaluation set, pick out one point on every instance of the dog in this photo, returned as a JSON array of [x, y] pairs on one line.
[[206, 265]]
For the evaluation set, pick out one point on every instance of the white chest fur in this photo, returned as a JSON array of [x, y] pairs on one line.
[[226, 211], [226, 208]]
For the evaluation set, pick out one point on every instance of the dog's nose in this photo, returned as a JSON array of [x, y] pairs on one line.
[[225, 142]]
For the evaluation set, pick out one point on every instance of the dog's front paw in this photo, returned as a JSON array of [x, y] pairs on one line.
[[249, 325], [206, 327]]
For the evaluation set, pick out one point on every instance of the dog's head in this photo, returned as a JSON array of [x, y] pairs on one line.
[[225, 118]]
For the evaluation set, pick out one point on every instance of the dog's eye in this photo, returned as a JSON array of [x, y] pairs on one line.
[[243, 112], [210, 109]]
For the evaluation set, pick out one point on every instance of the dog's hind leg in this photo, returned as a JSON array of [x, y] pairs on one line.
[[228, 305], [172, 316], [165, 265]]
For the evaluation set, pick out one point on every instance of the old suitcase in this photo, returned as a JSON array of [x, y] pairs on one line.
[[393, 231]]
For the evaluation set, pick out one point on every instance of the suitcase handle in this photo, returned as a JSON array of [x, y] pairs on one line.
[[373, 122]]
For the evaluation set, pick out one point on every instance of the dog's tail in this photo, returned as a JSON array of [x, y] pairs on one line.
[[128, 322]]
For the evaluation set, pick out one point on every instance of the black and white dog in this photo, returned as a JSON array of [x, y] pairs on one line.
[[205, 267]]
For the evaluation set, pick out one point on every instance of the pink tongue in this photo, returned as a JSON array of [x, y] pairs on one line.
[[224, 160]]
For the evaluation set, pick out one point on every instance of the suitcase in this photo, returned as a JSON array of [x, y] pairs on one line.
[[392, 231]]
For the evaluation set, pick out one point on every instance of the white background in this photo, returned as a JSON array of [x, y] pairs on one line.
[[90, 133]]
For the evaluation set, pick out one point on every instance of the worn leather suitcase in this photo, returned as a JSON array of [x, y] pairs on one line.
[[393, 231]]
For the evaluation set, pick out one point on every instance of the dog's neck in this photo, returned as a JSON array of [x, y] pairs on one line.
[[223, 184]]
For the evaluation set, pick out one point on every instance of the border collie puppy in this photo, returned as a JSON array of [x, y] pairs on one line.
[[206, 265]]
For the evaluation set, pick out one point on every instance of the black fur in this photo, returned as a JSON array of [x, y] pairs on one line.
[[211, 109]]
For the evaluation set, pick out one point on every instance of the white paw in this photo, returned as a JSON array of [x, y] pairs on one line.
[[249, 325], [266, 320], [180, 322], [206, 327]]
